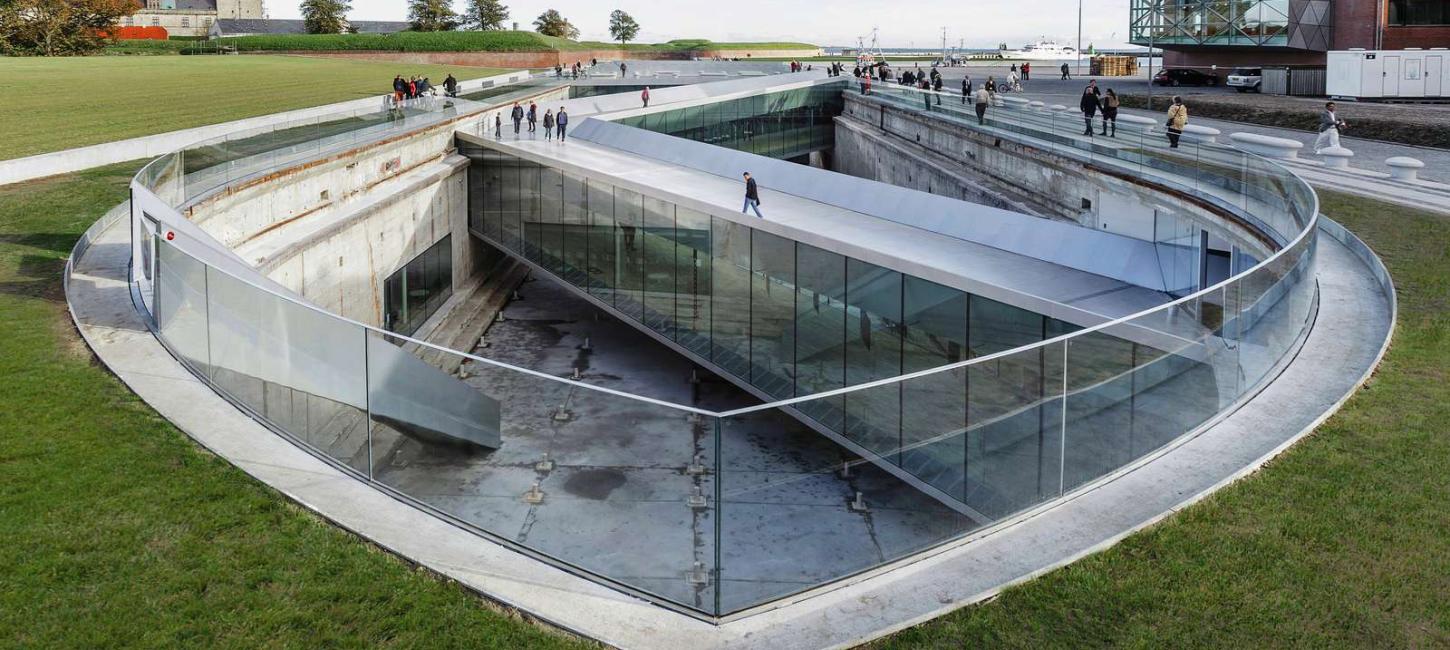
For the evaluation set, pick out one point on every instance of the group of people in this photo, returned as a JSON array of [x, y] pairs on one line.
[[1094, 102], [519, 115], [416, 87], [574, 70]]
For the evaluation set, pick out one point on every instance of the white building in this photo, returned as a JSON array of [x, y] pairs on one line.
[[191, 17]]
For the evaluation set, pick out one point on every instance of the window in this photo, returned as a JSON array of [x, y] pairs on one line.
[[414, 292], [1419, 12]]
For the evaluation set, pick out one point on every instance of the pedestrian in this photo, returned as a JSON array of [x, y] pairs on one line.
[[644, 96], [498, 125], [400, 88], [1329, 126], [1014, 67], [752, 197], [623, 70], [981, 99], [991, 85], [1089, 104], [562, 121], [533, 117], [549, 125], [866, 85], [1012, 82], [450, 85], [1110, 112], [1026, 71], [1066, 72], [558, 71], [518, 117], [593, 61], [1177, 119]]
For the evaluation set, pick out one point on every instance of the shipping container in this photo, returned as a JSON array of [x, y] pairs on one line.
[[1389, 74]]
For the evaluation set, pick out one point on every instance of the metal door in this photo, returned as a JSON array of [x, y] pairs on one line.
[[1432, 76], [1392, 76]]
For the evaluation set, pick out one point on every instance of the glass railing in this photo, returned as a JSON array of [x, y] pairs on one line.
[[719, 505]]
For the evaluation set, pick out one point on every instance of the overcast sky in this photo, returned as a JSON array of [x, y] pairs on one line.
[[980, 23]]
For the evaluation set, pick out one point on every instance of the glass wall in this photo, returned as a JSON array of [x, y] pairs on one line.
[[411, 294], [779, 125]]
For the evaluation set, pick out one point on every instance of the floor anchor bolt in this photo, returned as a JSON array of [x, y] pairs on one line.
[[697, 467], [696, 499], [545, 465], [534, 496], [859, 504], [698, 576]]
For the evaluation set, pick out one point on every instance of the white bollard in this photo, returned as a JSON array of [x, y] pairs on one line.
[[1267, 146], [1336, 157], [1404, 168], [1198, 133]]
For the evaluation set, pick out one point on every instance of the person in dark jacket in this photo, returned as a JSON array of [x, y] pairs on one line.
[[1110, 112], [450, 86], [518, 116], [966, 88], [1089, 105], [549, 125], [1026, 71], [400, 88], [1066, 72], [752, 197], [562, 121], [533, 117], [498, 125]]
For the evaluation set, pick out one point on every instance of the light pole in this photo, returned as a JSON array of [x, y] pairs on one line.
[[1079, 38], [1152, 32]]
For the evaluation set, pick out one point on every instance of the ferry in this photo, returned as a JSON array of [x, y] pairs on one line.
[[1042, 51]]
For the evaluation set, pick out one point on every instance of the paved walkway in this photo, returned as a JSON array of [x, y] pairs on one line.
[[1339, 353]]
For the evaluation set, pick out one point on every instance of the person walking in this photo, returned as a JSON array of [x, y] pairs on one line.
[[623, 69], [450, 85], [549, 125], [498, 125], [644, 96], [1177, 119], [1329, 126], [562, 121], [1110, 112], [1066, 72], [966, 88], [533, 117], [752, 197], [866, 85], [1089, 104], [400, 89], [991, 85], [981, 99], [518, 117]]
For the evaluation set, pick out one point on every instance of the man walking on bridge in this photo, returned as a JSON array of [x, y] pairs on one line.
[[752, 197]]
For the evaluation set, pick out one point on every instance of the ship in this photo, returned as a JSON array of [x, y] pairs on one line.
[[1042, 51]]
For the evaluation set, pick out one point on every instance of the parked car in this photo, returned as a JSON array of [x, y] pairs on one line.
[[1184, 77], [1246, 79]]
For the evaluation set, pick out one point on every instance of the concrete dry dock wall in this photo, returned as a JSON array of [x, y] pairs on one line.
[[925, 152], [332, 230]]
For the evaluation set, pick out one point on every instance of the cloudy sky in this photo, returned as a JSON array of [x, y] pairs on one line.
[[918, 23]]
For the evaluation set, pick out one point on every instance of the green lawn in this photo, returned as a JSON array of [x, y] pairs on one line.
[[60, 103], [1343, 541], [119, 532]]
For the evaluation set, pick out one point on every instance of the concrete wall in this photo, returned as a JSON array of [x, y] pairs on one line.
[[332, 230], [922, 152]]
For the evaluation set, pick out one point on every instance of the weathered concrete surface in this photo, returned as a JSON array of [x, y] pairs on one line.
[[1346, 342]]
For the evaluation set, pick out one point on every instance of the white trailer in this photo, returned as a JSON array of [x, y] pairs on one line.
[[1388, 74]]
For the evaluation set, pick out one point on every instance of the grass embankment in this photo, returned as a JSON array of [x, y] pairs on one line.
[[1402, 124], [120, 532], [60, 103], [471, 41], [1340, 542]]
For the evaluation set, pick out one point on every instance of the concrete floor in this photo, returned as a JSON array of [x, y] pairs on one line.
[[616, 500]]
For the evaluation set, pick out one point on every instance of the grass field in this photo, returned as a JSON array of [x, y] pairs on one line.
[[120, 532], [60, 103]]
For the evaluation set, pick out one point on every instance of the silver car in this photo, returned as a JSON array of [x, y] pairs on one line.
[[1246, 79]]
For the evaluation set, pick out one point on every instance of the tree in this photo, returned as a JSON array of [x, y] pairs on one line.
[[59, 27], [432, 15], [485, 15], [325, 16], [622, 27], [550, 23]]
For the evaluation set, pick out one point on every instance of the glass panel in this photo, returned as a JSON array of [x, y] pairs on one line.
[[934, 407], [772, 314], [693, 281], [657, 248], [873, 351], [602, 253], [181, 305], [821, 317], [730, 294], [629, 273], [576, 231]]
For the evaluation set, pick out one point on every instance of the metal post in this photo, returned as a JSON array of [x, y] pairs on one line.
[[1079, 38]]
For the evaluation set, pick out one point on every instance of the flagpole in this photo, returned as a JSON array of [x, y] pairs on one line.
[[1079, 38]]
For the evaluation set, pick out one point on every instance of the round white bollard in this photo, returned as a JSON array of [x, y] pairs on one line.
[[1404, 168], [1336, 157], [1136, 123], [1037, 105], [1267, 146], [1013, 102]]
